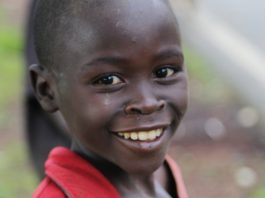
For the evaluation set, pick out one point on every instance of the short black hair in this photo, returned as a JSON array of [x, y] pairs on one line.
[[53, 21], [54, 26], [50, 15]]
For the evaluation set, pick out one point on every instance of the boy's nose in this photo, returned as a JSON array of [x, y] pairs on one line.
[[145, 104]]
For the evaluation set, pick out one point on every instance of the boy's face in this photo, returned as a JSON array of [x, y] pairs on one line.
[[123, 91]]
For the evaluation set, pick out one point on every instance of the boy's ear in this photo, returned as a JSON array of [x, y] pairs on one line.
[[42, 83]]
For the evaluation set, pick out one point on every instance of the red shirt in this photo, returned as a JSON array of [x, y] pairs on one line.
[[69, 175]]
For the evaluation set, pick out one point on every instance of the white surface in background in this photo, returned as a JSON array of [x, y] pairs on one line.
[[248, 56], [209, 27], [245, 16]]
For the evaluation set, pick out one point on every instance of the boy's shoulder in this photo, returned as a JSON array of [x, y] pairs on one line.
[[69, 175]]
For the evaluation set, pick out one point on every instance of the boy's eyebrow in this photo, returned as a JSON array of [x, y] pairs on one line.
[[113, 60], [117, 60], [169, 53]]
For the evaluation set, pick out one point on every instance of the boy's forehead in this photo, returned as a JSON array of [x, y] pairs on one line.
[[122, 16], [105, 7], [116, 21], [117, 14]]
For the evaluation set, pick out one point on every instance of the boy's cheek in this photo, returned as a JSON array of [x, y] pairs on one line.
[[177, 94], [98, 108]]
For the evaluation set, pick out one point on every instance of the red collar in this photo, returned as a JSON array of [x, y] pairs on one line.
[[70, 172]]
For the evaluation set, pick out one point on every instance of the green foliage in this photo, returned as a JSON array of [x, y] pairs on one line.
[[10, 41], [10, 64], [16, 175], [260, 193]]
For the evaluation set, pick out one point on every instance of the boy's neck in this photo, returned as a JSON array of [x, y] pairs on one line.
[[129, 185]]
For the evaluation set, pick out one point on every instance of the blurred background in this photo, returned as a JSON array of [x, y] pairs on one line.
[[220, 146]]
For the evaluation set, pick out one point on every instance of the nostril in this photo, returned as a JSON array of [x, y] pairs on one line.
[[162, 105], [147, 107], [133, 110]]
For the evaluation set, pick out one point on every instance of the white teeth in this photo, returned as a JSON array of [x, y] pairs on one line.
[[134, 136], [125, 135], [152, 135], [158, 132], [142, 135]]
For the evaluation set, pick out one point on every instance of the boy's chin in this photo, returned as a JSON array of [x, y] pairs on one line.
[[143, 167]]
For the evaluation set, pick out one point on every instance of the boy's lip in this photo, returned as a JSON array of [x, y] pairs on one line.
[[146, 145], [142, 128], [141, 136]]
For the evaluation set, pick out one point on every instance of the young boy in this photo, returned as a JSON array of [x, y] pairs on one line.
[[115, 70]]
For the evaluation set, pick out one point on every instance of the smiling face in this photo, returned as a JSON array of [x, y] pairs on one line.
[[123, 89]]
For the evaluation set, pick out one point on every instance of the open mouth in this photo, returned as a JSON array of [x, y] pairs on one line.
[[144, 136]]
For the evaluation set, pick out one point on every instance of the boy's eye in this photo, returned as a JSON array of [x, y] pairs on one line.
[[165, 72], [108, 80]]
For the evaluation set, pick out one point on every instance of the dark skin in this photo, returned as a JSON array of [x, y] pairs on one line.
[[127, 75]]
